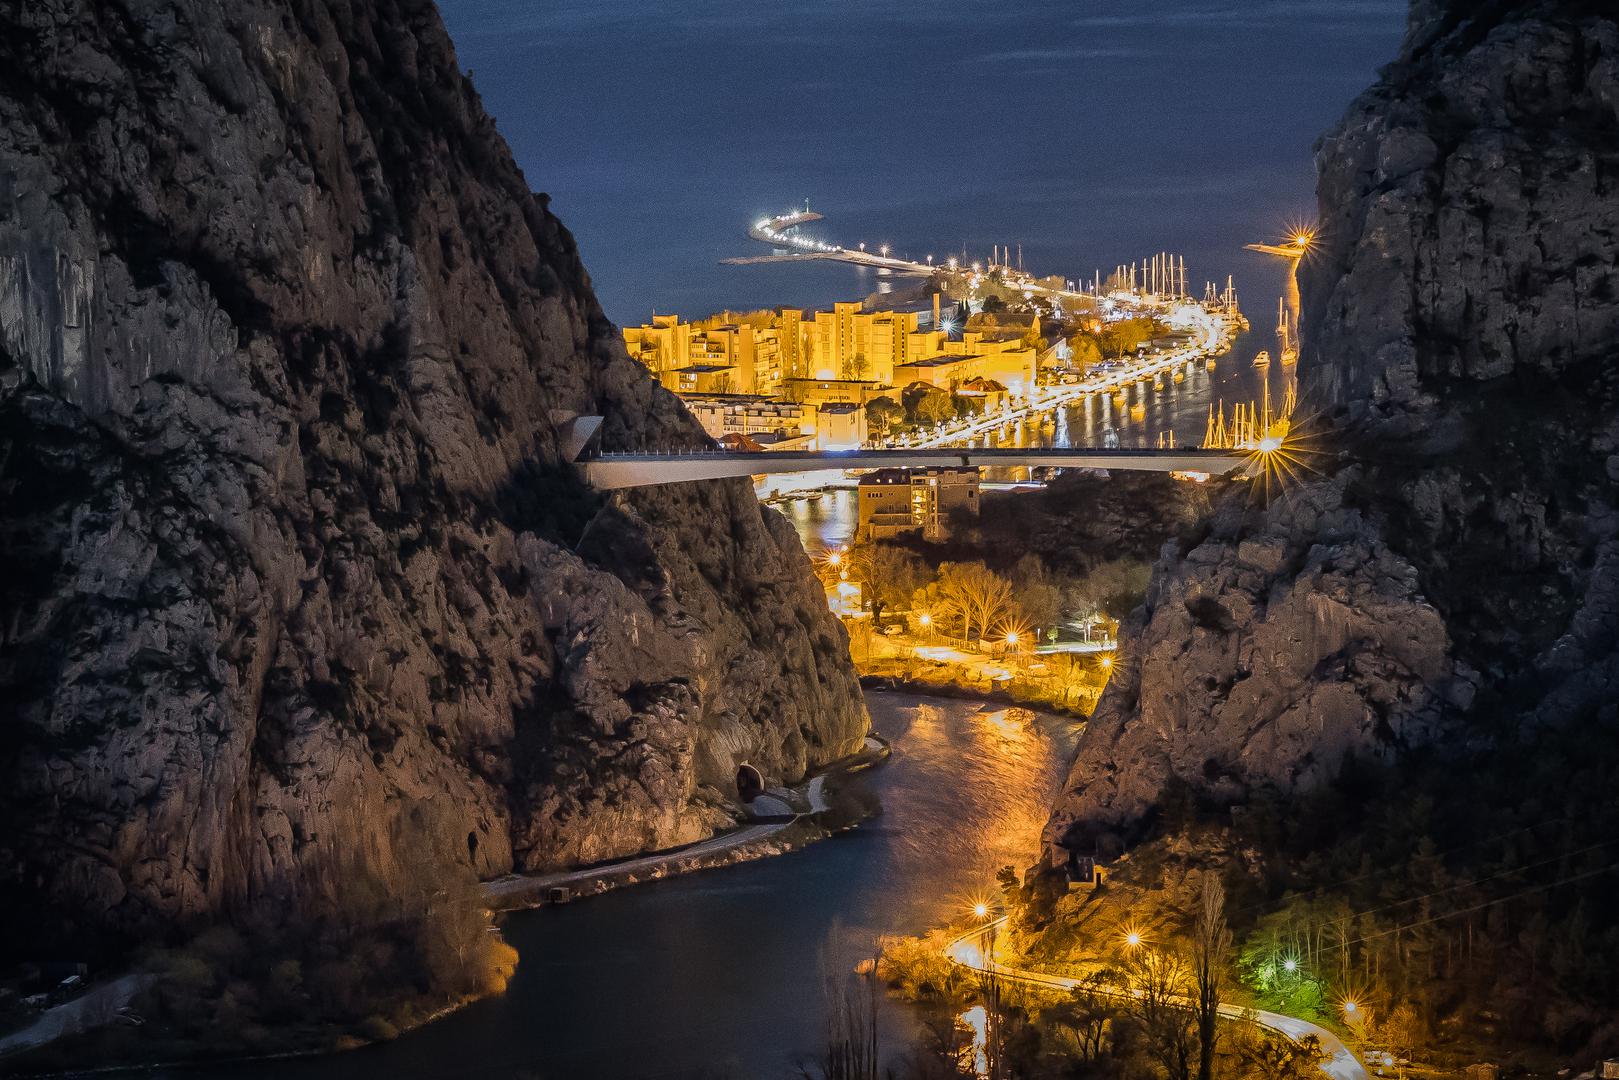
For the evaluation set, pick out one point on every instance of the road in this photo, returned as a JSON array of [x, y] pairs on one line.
[[1340, 1063], [516, 890], [91, 1009], [1211, 337]]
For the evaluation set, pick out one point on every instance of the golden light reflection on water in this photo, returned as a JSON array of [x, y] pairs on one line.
[[978, 784]]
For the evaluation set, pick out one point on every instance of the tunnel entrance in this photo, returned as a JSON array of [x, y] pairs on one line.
[[749, 783]]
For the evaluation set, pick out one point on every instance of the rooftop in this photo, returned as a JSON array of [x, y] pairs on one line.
[[906, 476]]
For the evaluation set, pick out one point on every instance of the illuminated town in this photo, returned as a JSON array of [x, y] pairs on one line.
[[630, 541]]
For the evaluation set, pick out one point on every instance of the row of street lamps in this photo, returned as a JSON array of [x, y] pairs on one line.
[[1353, 1011]]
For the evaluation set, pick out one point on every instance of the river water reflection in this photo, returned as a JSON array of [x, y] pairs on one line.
[[718, 974]]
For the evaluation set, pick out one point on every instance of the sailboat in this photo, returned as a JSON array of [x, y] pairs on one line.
[[1263, 359], [1289, 348]]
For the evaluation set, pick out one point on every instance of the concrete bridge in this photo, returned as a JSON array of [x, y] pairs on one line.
[[610, 472]]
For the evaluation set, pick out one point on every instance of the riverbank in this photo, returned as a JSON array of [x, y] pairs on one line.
[[706, 973], [817, 809], [943, 686]]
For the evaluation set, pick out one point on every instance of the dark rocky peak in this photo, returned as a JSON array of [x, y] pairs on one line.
[[290, 550]]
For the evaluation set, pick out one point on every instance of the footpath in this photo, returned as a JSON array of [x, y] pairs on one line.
[[776, 811]]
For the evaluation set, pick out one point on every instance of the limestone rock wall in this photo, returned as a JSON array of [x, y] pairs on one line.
[[1446, 568], [287, 538]]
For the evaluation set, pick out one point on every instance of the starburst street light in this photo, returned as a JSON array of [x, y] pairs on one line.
[[884, 250], [981, 910]]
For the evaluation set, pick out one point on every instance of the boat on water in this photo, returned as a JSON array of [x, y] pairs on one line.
[[1157, 382], [1118, 399], [1208, 365], [1138, 411], [1180, 376], [1263, 359], [815, 496], [1287, 342]]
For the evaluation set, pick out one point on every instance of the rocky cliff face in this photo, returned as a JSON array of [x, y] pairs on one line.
[[288, 538], [1450, 568]]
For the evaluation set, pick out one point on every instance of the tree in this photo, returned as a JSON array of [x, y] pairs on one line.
[[992, 303], [891, 574], [1159, 985], [882, 413], [1085, 353], [975, 595], [1039, 598], [1267, 1057], [1084, 1020], [934, 405], [851, 1023], [856, 367], [1212, 945]]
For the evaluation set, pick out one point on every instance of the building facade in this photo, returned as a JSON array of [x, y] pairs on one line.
[[897, 501]]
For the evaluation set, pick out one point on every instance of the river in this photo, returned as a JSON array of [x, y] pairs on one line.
[[717, 974]]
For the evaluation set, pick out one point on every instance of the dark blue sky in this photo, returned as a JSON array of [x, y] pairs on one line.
[[1091, 133]]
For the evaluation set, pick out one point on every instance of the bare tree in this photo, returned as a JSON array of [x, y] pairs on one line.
[[977, 595], [851, 1019], [1212, 944], [1157, 1003]]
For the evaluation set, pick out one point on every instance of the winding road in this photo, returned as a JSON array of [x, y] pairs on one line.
[[1339, 1062]]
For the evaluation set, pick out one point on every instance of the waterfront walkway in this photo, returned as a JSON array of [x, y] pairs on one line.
[[1339, 1062], [530, 890]]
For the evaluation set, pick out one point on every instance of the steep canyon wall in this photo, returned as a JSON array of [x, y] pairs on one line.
[[1444, 568], [288, 541]]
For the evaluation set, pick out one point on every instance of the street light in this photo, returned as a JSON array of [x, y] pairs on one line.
[[1290, 965], [1107, 662], [1012, 638], [925, 620], [981, 910], [884, 250]]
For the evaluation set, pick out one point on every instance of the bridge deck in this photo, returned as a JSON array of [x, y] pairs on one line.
[[612, 471]]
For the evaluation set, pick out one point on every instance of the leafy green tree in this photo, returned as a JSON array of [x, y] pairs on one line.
[[882, 413], [933, 406], [1085, 352]]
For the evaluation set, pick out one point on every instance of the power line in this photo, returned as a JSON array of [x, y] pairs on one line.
[[1476, 907], [1436, 855], [1479, 881]]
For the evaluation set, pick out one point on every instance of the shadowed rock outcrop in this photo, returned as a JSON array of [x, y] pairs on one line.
[[287, 539], [1450, 572]]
